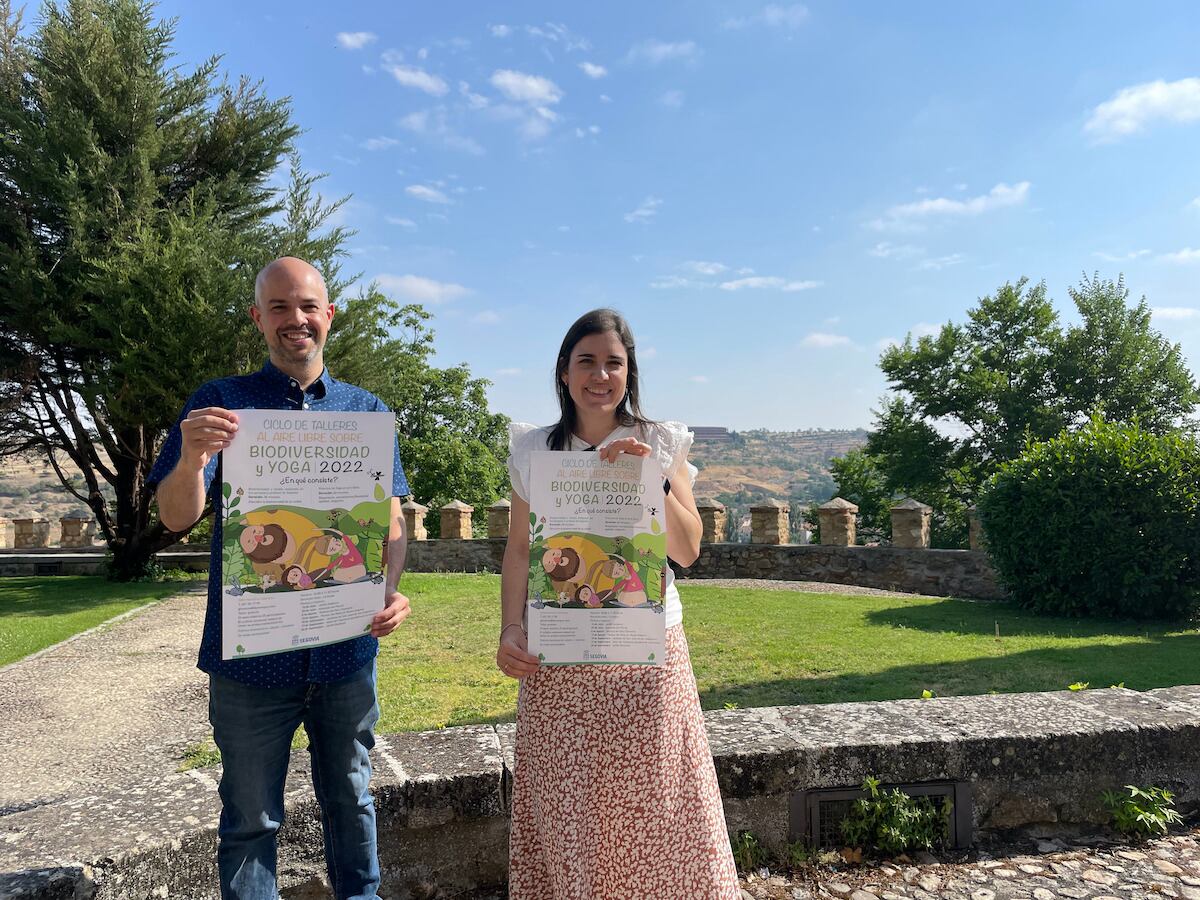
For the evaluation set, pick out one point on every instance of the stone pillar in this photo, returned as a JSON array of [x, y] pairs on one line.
[[498, 516], [456, 521], [76, 531], [5, 540], [769, 522], [414, 520], [910, 524], [838, 528], [31, 533], [975, 529], [712, 518]]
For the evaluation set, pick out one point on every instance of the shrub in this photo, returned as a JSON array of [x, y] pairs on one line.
[[893, 822], [1103, 521], [1142, 812]]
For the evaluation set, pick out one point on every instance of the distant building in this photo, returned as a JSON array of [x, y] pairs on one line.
[[713, 433]]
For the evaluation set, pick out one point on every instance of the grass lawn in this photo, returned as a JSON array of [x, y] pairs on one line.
[[38, 612], [762, 648]]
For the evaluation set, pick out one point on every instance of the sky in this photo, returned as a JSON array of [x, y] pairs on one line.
[[769, 193]]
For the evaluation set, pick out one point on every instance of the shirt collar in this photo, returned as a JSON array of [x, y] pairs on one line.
[[279, 379]]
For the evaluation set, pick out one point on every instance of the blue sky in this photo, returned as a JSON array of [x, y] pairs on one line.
[[768, 192]]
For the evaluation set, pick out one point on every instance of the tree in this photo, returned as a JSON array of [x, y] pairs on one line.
[[452, 446], [975, 395], [134, 210]]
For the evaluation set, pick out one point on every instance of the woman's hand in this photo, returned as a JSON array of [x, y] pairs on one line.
[[630, 445], [513, 657]]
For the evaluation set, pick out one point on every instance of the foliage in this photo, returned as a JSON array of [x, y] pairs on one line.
[[134, 210], [971, 397], [748, 853], [452, 446], [893, 822], [1142, 812], [1102, 521]]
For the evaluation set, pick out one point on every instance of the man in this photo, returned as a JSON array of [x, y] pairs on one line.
[[255, 705]]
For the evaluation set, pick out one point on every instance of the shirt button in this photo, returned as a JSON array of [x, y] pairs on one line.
[[306, 406]]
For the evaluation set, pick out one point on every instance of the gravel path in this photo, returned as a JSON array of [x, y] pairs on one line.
[[123, 699]]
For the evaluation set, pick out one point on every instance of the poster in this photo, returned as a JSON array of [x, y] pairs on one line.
[[307, 499], [597, 559]]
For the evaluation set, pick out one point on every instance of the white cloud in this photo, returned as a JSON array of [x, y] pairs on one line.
[[426, 193], [648, 353], [524, 88], [701, 267], [508, 372], [355, 40], [421, 290], [758, 282], [646, 211], [604, 98], [500, 31], [1175, 312], [940, 262], [411, 76], [401, 221], [821, 339], [379, 143], [1186, 255], [474, 101], [773, 17], [926, 329], [887, 250], [435, 127], [698, 379], [1121, 257], [1132, 109], [671, 99], [655, 52], [905, 215], [1195, 204], [486, 317], [671, 282], [885, 343], [592, 70]]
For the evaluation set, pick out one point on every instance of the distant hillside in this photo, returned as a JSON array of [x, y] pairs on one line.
[[30, 488], [746, 467]]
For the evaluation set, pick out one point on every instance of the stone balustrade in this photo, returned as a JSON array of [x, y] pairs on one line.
[[77, 531], [769, 522], [499, 514], [712, 520], [6, 540], [910, 524], [456, 521], [31, 533], [414, 519]]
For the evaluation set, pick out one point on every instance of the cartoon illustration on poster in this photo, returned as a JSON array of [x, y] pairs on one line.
[[597, 559], [306, 505]]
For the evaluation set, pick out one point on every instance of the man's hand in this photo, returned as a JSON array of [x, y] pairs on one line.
[[206, 432], [395, 610]]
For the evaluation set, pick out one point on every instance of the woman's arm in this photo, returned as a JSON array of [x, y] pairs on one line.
[[512, 656], [683, 519]]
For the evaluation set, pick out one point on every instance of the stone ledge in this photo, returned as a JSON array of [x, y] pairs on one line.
[[442, 796]]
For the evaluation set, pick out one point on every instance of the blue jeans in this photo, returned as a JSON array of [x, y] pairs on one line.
[[253, 729]]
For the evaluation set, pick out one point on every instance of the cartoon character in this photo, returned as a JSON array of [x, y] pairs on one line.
[[297, 578], [587, 596], [268, 581], [346, 562], [267, 543], [629, 589]]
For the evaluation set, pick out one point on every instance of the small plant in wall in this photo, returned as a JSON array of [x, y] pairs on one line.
[[748, 854], [893, 822], [1142, 812]]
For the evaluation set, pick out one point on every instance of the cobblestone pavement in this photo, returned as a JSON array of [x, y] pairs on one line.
[[118, 702], [1085, 869]]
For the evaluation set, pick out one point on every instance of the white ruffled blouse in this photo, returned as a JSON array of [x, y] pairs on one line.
[[669, 444]]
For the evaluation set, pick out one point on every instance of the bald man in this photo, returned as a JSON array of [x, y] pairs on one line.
[[255, 705]]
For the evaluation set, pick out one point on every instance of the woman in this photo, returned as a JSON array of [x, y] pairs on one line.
[[614, 795]]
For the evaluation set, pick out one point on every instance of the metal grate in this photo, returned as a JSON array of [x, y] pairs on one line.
[[815, 816], [47, 568]]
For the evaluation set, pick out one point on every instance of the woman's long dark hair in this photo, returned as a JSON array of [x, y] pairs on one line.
[[629, 411]]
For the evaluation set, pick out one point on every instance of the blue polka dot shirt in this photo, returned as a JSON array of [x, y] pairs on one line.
[[269, 388]]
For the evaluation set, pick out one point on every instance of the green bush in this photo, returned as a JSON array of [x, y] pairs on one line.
[[1103, 521], [894, 822], [1142, 812]]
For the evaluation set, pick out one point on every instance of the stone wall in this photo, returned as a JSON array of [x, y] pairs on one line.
[[1030, 760]]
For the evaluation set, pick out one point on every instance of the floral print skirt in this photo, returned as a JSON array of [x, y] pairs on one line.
[[615, 796]]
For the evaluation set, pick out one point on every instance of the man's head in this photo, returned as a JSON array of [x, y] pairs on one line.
[[292, 310]]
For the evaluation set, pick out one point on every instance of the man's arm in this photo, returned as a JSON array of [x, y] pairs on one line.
[[205, 433], [395, 605]]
